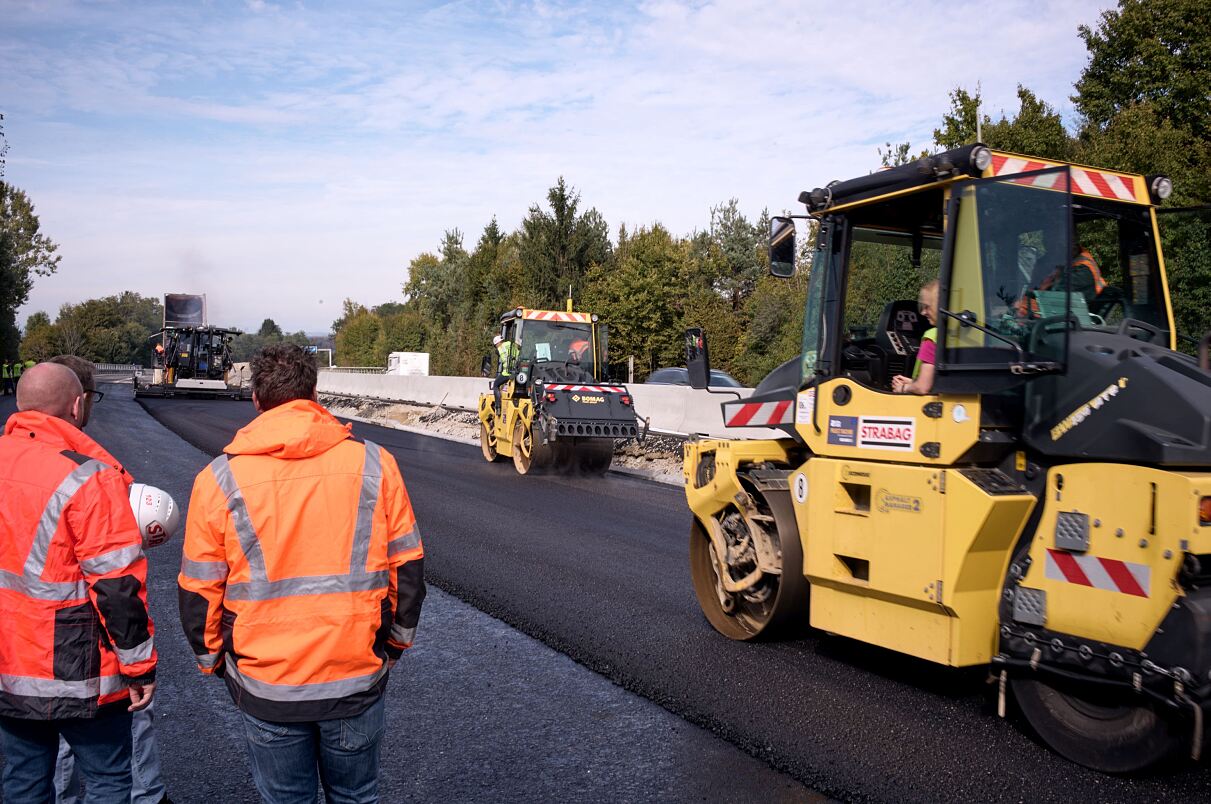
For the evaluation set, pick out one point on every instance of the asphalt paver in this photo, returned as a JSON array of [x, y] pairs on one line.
[[477, 711], [597, 568]]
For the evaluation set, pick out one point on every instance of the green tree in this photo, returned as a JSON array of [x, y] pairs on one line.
[[25, 253], [357, 341], [558, 247], [1036, 129], [269, 329], [640, 297], [1156, 52]]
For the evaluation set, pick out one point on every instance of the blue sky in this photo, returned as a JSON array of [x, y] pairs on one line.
[[281, 156]]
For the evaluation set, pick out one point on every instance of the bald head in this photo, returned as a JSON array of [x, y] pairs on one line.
[[52, 389]]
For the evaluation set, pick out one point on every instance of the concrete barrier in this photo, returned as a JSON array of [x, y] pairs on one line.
[[672, 409]]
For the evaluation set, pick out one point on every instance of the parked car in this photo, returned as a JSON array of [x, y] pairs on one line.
[[675, 375]]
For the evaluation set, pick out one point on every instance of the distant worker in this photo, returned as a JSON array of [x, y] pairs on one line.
[[76, 652], [506, 353], [7, 386], [147, 782], [1084, 277], [922, 378], [301, 585]]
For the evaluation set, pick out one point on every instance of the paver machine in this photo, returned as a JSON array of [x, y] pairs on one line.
[[1044, 509], [559, 410], [191, 357]]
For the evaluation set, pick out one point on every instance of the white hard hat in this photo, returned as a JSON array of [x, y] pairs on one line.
[[497, 339], [155, 512]]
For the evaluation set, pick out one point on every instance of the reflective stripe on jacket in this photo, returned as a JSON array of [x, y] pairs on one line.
[[72, 575], [302, 571]]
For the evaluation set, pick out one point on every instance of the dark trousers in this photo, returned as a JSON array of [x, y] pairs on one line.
[[9, 386], [500, 382], [101, 746]]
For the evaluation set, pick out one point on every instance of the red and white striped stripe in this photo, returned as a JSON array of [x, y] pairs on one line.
[[593, 389], [555, 315], [758, 414], [1100, 573], [1099, 183]]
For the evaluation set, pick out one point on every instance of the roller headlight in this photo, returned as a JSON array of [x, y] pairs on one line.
[[1161, 187], [1204, 511], [981, 157]]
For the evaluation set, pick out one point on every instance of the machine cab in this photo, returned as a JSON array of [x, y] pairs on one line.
[[1014, 268], [559, 346]]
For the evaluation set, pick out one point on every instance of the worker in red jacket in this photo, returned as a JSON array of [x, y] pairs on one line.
[[76, 653]]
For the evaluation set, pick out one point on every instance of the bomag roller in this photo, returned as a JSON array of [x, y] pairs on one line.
[[1045, 509], [559, 410]]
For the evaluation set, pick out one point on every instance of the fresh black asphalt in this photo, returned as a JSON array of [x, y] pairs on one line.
[[597, 570], [477, 711]]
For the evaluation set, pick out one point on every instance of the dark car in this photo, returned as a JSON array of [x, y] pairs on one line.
[[680, 376]]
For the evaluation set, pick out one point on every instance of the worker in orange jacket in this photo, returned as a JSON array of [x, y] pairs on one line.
[[76, 653], [301, 584]]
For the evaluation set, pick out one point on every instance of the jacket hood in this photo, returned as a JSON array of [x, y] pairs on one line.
[[60, 435], [300, 428]]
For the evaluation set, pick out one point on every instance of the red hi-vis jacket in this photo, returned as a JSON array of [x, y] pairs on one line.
[[302, 573], [72, 575]]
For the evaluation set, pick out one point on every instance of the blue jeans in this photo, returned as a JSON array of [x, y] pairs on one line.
[[101, 746], [288, 759], [147, 780]]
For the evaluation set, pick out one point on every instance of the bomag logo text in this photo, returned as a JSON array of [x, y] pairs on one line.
[[590, 400]]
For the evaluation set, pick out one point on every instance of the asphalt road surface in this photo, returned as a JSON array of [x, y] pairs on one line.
[[597, 570], [476, 710]]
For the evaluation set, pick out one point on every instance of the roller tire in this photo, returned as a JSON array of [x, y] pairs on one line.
[[790, 603], [487, 444], [530, 457], [1106, 736]]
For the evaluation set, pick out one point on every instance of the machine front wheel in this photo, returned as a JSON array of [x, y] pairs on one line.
[[529, 455], [774, 604], [1098, 729]]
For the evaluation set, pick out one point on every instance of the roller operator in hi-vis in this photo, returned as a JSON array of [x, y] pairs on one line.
[[553, 405], [1011, 469]]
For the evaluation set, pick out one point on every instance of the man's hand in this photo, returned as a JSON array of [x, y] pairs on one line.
[[140, 696]]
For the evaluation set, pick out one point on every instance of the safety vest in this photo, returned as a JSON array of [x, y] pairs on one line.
[[1082, 260], [72, 575], [6, 371], [302, 571], [931, 334], [507, 351], [17, 369]]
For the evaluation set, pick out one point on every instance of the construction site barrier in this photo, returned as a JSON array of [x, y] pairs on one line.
[[671, 409]]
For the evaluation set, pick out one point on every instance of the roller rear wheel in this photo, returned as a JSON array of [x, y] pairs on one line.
[[529, 456], [1101, 729]]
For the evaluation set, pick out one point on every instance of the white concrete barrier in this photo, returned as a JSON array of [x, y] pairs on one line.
[[672, 409]]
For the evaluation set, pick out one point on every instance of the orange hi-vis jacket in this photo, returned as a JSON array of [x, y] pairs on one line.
[[302, 573], [73, 576]]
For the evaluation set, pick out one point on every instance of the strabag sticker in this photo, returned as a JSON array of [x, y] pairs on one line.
[[896, 433], [805, 405], [843, 431]]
